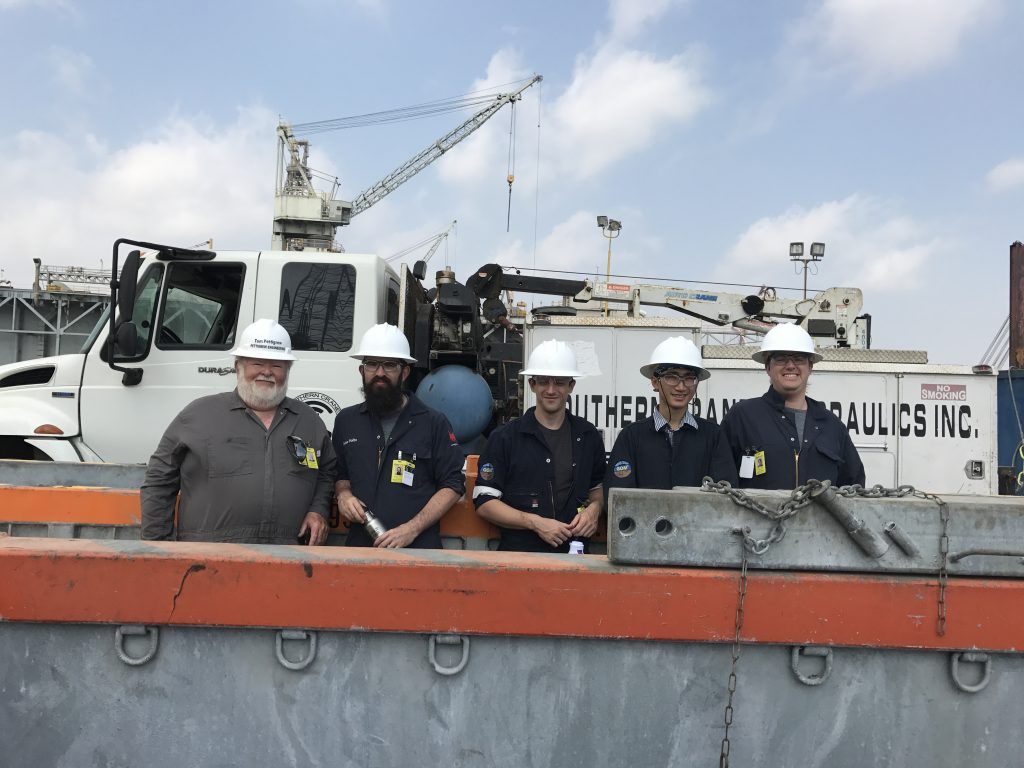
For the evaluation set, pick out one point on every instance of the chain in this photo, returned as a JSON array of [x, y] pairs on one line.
[[798, 499], [801, 497], [723, 760]]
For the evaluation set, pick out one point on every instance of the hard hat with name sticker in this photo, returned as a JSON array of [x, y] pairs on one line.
[[264, 340]]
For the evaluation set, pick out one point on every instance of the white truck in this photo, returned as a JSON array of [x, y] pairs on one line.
[[177, 312]]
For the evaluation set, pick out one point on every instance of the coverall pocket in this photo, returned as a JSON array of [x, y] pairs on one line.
[[830, 452], [229, 456]]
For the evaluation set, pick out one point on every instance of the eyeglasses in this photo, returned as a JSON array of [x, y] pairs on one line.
[[558, 381], [674, 379], [389, 366], [784, 360]]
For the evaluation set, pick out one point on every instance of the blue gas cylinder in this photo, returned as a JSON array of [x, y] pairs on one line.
[[461, 395]]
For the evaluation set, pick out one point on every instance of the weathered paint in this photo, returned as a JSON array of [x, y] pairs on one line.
[[472, 592]]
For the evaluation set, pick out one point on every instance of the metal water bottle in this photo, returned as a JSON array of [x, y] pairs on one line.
[[373, 525]]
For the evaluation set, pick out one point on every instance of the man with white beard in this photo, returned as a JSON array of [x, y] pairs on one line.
[[252, 465]]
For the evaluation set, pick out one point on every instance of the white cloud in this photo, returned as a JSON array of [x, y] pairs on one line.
[[866, 245], [877, 41], [618, 102], [629, 17], [72, 71], [68, 200], [1009, 174]]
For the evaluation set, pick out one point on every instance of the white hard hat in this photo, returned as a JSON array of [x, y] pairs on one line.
[[384, 341], [786, 337], [677, 351], [265, 340], [552, 358]]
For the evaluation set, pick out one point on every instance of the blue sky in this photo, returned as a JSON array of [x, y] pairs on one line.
[[717, 132]]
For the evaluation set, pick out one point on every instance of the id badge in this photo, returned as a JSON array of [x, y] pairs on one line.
[[402, 471], [311, 461], [747, 467], [759, 466]]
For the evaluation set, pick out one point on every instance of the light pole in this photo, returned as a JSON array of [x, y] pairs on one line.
[[610, 228], [796, 254]]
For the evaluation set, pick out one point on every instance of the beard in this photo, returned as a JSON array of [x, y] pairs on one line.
[[382, 396], [260, 397]]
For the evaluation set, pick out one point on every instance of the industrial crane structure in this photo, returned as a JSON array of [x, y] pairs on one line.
[[306, 219]]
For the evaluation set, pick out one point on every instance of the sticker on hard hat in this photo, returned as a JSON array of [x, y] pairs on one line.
[[271, 344], [622, 469], [487, 472], [319, 402]]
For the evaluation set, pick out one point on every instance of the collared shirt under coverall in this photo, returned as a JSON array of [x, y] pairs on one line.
[[517, 467], [365, 459], [240, 482], [761, 424], [642, 456]]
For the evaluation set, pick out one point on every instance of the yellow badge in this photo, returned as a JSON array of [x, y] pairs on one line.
[[759, 467], [311, 459], [401, 471]]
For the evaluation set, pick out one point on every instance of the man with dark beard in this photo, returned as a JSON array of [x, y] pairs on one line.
[[253, 466], [397, 458]]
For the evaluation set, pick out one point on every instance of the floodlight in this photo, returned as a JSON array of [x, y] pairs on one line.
[[796, 250], [602, 221], [817, 250]]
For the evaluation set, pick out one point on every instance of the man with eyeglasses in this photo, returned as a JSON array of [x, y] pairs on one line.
[[539, 477], [397, 458], [252, 465], [784, 438], [671, 447]]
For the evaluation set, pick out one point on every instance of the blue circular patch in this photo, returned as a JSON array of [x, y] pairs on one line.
[[486, 472], [622, 469]]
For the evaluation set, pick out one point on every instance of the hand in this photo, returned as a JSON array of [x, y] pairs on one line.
[[553, 532], [316, 525], [351, 509], [396, 538], [584, 525]]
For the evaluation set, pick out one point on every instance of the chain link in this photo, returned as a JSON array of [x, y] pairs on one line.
[[800, 497], [723, 760]]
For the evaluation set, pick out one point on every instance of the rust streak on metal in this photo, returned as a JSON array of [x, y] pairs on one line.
[[49, 580]]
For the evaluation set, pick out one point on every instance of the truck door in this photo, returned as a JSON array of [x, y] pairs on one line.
[[187, 314]]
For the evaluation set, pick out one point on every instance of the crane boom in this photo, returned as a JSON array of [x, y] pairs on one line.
[[414, 165], [307, 219]]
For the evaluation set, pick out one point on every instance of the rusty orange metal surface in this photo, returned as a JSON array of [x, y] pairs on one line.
[[82, 505], [109, 506], [453, 591]]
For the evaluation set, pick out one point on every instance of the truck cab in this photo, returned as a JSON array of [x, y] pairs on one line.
[[173, 332]]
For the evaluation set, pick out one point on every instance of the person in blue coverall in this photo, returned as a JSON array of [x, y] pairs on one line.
[[785, 438], [539, 477], [396, 457], [671, 447]]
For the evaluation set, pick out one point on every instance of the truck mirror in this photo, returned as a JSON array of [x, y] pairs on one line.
[[126, 284], [419, 269], [127, 338]]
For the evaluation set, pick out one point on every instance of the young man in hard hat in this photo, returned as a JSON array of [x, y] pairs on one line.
[[672, 446], [539, 478], [253, 465], [396, 457], [784, 438]]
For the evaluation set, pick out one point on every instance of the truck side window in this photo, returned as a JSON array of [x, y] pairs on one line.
[[391, 308], [200, 306], [318, 305], [144, 312]]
